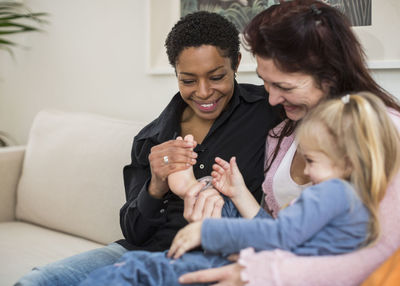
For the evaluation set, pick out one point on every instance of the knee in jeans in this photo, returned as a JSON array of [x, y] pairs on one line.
[[35, 277]]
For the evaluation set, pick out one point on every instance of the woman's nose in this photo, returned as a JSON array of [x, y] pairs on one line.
[[274, 97], [204, 90]]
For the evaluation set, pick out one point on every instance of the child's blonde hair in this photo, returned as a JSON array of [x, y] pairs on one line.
[[356, 129]]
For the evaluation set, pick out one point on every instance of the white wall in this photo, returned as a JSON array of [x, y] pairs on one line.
[[92, 58]]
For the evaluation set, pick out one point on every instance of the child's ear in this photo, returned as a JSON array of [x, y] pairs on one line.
[[348, 168]]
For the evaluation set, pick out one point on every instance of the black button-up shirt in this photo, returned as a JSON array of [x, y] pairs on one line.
[[241, 130]]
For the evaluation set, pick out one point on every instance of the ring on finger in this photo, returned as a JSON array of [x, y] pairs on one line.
[[165, 158]]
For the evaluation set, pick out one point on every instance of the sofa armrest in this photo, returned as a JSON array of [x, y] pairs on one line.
[[11, 159]]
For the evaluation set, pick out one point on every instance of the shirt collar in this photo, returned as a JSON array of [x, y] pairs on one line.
[[167, 125]]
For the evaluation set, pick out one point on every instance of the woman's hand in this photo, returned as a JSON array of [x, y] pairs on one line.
[[199, 205], [186, 239], [166, 158], [227, 178], [225, 275]]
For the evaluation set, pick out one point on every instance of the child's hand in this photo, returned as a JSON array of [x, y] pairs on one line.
[[227, 178], [186, 239]]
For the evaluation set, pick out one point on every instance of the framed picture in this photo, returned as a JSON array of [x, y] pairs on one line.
[[380, 41], [241, 12], [376, 24]]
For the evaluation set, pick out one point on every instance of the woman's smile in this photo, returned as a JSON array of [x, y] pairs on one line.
[[290, 107], [208, 107]]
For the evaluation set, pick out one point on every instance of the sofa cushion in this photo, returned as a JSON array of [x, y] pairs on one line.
[[24, 246], [11, 159], [72, 174]]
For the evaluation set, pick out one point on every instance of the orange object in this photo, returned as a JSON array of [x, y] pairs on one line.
[[388, 274]]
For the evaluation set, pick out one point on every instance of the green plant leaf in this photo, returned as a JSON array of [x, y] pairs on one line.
[[6, 42], [16, 18], [16, 28]]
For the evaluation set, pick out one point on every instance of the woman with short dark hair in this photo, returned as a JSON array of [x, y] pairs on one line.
[[225, 118]]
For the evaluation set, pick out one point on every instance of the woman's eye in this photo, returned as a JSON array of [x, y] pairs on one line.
[[217, 77], [309, 161], [187, 81], [285, 89]]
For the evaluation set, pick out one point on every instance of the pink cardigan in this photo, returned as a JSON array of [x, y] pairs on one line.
[[284, 268]]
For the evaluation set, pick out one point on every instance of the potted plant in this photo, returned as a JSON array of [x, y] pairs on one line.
[[15, 18]]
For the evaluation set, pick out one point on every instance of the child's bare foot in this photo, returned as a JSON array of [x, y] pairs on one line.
[[181, 181]]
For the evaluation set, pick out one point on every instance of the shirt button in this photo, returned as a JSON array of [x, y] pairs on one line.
[[201, 166], [162, 211], [165, 201]]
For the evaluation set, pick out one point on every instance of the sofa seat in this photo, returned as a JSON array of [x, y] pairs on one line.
[[24, 245], [61, 193]]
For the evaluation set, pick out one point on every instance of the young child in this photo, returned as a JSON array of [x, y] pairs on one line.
[[351, 151]]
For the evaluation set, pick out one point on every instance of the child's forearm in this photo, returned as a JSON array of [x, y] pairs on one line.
[[246, 204]]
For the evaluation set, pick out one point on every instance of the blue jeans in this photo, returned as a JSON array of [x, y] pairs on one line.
[[152, 268], [72, 270]]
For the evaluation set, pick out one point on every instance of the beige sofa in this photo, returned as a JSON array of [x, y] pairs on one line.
[[61, 193]]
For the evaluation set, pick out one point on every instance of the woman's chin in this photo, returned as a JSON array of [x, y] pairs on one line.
[[295, 116]]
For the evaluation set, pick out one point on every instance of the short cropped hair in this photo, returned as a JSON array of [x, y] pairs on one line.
[[203, 28]]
